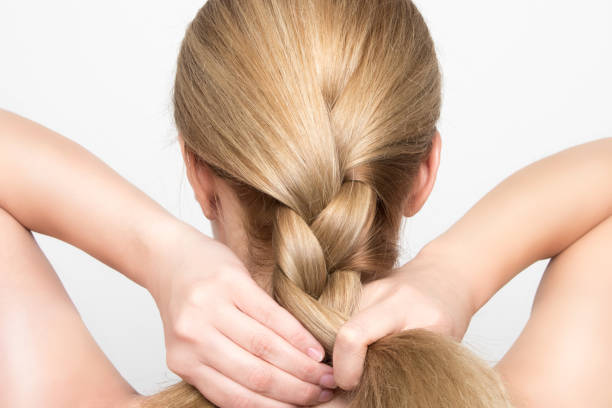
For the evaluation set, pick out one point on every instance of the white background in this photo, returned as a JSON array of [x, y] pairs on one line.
[[522, 80]]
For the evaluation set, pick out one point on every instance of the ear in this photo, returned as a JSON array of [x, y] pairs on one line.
[[202, 181], [425, 179]]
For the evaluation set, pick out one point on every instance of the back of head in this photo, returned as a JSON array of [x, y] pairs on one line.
[[318, 114]]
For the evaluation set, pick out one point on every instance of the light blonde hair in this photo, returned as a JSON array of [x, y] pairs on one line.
[[318, 114]]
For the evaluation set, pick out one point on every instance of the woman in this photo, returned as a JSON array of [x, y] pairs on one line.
[[367, 177]]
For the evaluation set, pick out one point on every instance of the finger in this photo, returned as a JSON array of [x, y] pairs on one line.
[[353, 339], [255, 302], [226, 393], [267, 345], [258, 375], [340, 400]]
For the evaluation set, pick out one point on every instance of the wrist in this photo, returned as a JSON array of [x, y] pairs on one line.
[[159, 237], [171, 246], [454, 267]]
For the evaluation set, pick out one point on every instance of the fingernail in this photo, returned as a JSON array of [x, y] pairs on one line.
[[327, 380], [315, 354], [326, 395]]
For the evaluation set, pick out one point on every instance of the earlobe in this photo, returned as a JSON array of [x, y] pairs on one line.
[[425, 178]]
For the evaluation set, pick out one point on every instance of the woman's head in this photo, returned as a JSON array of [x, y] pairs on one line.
[[315, 123], [296, 106], [220, 204]]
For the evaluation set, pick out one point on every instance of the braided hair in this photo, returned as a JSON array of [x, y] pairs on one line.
[[318, 114]]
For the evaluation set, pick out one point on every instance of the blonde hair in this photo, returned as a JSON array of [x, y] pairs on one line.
[[318, 114]]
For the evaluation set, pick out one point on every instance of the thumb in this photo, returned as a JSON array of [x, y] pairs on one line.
[[353, 339]]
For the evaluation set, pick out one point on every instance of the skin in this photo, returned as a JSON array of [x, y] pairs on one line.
[[549, 342], [45, 346], [444, 308], [18, 133], [221, 207], [562, 358], [550, 335], [80, 200], [532, 215]]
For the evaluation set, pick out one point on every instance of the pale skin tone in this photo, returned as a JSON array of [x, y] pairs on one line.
[[472, 274], [64, 191]]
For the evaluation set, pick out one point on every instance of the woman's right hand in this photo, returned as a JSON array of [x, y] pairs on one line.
[[225, 335]]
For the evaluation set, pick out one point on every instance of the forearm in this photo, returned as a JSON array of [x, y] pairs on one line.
[[56, 187], [534, 214]]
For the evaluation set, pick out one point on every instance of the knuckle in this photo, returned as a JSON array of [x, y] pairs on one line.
[[184, 327], [240, 401], [309, 372], [260, 380], [198, 293], [260, 346], [308, 394], [265, 317], [299, 337], [350, 335], [224, 277]]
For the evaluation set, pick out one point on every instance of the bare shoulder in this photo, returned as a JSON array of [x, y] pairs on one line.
[[563, 358], [47, 356]]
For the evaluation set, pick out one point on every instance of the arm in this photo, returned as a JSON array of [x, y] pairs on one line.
[[56, 187], [51, 185], [567, 338], [534, 214], [47, 356]]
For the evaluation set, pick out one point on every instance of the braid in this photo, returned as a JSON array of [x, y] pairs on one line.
[[317, 276]]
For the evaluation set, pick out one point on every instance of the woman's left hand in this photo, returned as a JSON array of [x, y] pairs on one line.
[[424, 293]]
